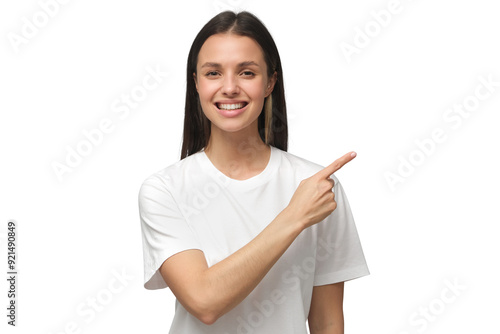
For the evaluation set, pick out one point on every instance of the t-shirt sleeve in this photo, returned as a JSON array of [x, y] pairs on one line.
[[339, 255], [165, 231]]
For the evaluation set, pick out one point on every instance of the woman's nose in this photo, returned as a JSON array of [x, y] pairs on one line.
[[230, 85]]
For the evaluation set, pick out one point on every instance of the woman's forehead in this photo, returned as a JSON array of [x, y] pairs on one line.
[[230, 49]]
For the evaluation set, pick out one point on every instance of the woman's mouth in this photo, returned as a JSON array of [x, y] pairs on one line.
[[231, 106], [231, 109]]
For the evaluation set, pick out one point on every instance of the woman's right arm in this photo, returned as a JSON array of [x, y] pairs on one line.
[[210, 292]]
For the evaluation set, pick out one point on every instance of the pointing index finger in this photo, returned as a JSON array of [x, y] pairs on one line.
[[336, 165]]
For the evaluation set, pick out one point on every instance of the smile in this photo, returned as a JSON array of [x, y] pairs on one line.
[[232, 106], [231, 109]]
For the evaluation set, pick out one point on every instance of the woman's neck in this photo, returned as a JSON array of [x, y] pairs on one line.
[[239, 155]]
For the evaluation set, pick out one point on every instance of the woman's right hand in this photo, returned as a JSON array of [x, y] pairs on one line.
[[314, 199]]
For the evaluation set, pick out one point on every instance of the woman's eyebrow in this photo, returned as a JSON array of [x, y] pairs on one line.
[[248, 63], [242, 64], [208, 64]]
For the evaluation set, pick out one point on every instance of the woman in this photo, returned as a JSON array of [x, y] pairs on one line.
[[248, 237]]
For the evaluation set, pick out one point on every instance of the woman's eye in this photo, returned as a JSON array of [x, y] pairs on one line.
[[211, 74], [248, 73]]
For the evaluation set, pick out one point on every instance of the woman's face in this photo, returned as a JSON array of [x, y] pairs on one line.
[[232, 81]]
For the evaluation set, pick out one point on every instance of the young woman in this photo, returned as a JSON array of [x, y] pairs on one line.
[[248, 237]]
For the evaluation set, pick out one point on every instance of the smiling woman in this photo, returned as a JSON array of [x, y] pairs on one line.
[[248, 237], [244, 27], [228, 87]]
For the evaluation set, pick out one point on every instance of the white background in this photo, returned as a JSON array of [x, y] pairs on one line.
[[75, 234]]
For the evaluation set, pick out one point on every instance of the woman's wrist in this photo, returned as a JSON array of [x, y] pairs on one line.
[[292, 220]]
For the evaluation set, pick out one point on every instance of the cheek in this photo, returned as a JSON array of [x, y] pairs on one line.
[[255, 90], [206, 89]]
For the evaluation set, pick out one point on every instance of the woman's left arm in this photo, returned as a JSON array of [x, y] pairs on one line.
[[326, 315]]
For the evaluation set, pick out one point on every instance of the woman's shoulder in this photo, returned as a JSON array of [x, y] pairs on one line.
[[166, 176], [298, 163], [301, 165]]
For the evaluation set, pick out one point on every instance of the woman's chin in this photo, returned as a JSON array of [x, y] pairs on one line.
[[232, 127]]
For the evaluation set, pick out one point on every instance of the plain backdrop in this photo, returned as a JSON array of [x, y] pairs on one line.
[[429, 232]]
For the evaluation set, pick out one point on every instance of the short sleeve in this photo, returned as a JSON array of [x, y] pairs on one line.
[[339, 255], [165, 232]]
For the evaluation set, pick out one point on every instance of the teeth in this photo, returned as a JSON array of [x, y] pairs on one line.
[[231, 106]]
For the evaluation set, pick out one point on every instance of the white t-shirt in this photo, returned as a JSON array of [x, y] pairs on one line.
[[192, 205]]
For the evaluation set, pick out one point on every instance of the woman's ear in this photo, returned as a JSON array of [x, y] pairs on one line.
[[270, 84], [195, 81]]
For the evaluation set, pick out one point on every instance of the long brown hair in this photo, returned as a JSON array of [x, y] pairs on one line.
[[274, 129]]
